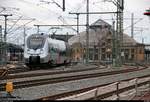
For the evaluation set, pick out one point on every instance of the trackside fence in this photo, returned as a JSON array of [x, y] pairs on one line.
[[123, 90]]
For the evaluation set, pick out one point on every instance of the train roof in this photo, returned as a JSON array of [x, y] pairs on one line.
[[38, 35], [59, 44]]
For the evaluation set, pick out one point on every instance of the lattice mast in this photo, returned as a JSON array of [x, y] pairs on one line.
[[117, 62], [1, 41]]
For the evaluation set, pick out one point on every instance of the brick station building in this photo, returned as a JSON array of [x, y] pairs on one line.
[[100, 45]]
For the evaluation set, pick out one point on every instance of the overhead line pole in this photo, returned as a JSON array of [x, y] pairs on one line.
[[77, 23], [132, 25], [5, 39], [78, 26], [87, 33], [119, 34]]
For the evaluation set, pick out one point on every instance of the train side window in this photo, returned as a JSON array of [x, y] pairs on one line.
[[53, 49], [63, 53], [49, 49]]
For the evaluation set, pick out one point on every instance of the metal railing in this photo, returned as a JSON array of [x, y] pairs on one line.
[[123, 90]]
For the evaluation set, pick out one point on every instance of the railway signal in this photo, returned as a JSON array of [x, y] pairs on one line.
[[9, 88], [147, 12]]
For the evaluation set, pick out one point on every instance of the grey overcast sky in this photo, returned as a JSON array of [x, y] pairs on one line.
[[51, 14]]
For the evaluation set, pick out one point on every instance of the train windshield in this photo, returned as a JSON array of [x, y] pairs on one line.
[[35, 43]]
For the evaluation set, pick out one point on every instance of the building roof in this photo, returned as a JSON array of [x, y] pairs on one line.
[[100, 22], [11, 47], [97, 31]]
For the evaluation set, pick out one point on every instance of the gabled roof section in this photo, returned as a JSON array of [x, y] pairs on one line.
[[100, 22], [99, 29]]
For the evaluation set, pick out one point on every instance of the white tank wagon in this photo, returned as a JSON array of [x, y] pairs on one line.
[[42, 50]]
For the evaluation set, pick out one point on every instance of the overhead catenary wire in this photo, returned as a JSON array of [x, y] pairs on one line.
[[79, 6], [15, 23], [21, 26], [35, 4], [134, 23], [65, 22], [3, 9], [18, 17]]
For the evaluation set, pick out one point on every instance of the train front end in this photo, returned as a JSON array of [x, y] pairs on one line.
[[36, 51]]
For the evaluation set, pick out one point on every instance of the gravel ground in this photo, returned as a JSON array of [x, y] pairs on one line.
[[61, 68], [52, 89], [60, 75], [52, 76]]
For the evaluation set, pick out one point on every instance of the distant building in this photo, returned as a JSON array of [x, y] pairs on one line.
[[100, 44], [14, 52]]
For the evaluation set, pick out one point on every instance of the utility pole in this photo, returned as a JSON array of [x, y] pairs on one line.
[[77, 23], [38, 29], [5, 39], [87, 33], [78, 26], [24, 35], [114, 44], [120, 8], [1, 41], [132, 25], [67, 37], [142, 40], [117, 61]]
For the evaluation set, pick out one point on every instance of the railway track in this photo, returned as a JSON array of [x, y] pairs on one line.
[[50, 72], [3, 72], [31, 83], [102, 96], [13, 69], [22, 68], [18, 70], [25, 75]]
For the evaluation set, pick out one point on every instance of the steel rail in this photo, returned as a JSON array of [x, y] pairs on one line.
[[46, 73], [121, 90], [38, 82], [102, 96]]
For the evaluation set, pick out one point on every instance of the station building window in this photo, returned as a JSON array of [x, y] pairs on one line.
[[96, 57], [103, 50], [132, 50], [91, 54], [140, 51], [132, 57], [103, 57], [126, 56]]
